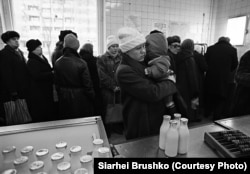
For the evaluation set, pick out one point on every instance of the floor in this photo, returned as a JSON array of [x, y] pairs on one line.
[[120, 138]]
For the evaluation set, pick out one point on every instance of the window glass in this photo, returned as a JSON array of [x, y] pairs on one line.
[[236, 30], [43, 20]]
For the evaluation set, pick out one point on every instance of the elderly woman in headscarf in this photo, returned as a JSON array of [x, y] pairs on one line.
[[41, 87], [142, 97], [187, 77]]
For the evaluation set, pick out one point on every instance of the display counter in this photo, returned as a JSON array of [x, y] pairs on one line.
[[238, 123], [148, 147], [46, 135]]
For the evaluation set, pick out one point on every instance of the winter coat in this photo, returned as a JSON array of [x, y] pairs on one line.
[[57, 53], [91, 62], [242, 95], [41, 89], [222, 60], [187, 77], [107, 65], [15, 78], [142, 98], [75, 89]]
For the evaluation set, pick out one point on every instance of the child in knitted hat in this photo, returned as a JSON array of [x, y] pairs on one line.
[[159, 63]]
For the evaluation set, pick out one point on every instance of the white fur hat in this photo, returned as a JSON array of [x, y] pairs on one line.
[[111, 40], [129, 38]]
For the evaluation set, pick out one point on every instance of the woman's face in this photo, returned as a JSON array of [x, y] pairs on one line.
[[138, 53], [175, 47], [38, 51], [113, 49]]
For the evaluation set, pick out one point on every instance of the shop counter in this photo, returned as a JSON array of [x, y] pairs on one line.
[[148, 147]]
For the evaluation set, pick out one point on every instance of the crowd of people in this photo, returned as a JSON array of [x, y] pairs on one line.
[[149, 76]]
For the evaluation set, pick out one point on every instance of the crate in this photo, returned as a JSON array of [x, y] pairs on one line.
[[229, 143]]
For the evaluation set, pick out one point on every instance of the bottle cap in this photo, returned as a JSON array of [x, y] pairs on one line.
[[57, 156], [75, 149], [173, 122], [177, 115], [36, 165], [185, 120], [103, 151], [10, 171], [86, 158], [81, 171], [63, 166], [61, 144], [9, 149], [27, 150], [42, 152], [98, 141], [21, 160], [168, 117]]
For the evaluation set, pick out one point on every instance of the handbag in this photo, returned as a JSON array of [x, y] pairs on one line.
[[114, 112], [16, 112]]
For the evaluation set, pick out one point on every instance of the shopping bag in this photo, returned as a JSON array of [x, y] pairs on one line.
[[16, 112], [114, 111]]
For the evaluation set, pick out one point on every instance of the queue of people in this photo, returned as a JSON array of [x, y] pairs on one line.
[[148, 76]]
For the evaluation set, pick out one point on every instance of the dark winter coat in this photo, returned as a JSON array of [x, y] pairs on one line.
[[201, 68], [75, 89], [107, 65], [142, 99], [222, 61], [242, 94], [15, 78], [186, 77], [91, 62], [41, 89]]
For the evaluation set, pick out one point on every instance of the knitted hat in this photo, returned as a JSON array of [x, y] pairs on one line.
[[129, 38], [32, 44], [156, 45], [8, 35], [187, 44], [111, 40], [63, 33], [71, 41]]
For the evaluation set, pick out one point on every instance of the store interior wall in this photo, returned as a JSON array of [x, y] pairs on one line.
[[204, 21]]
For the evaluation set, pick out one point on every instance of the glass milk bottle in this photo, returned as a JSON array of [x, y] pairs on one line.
[[87, 163], [21, 164], [28, 151], [64, 168], [36, 167], [171, 146], [9, 155], [62, 147], [177, 117], [163, 131], [56, 158], [75, 153], [43, 155], [97, 143], [183, 136]]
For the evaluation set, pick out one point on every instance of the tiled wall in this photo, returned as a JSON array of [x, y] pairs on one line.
[[186, 18], [227, 9]]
